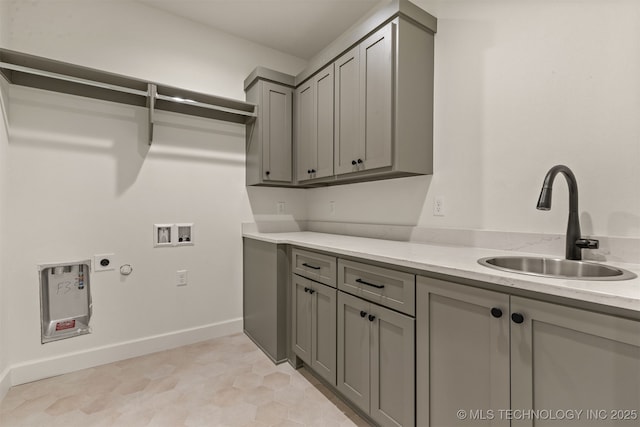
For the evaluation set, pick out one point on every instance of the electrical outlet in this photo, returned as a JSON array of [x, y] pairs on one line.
[[438, 206], [181, 278], [103, 262], [280, 208]]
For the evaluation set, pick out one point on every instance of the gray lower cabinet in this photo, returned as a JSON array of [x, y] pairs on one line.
[[486, 353], [567, 358], [269, 137], [462, 353], [314, 325], [376, 359]]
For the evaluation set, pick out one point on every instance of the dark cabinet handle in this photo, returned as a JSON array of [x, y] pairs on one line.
[[306, 289], [353, 162], [369, 284], [372, 318], [363, 313], [267, 173], [517, 318], [308, 170], [359, 160], [496, 312], [311, 291], [313, 171], [310, 266]]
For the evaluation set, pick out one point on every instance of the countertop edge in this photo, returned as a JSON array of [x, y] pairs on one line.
[[597, 292]]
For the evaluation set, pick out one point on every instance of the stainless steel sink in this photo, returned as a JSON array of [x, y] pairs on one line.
[[559, 268]]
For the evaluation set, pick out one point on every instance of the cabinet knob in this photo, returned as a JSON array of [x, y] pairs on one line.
[[267, 173], [311, 291], [308, 170], [359, 161], [306, 289], [372, 318], [313, 171], [363, 313], [496, 312], [517, 318], [353, 162]]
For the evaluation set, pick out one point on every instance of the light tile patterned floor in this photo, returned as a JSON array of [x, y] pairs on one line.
[[227, 381]]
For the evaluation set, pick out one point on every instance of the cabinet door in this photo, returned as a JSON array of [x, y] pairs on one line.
[[376, 92], [392, 367], [301, 306], [462, 353], [564, 359], [276, 137], [354, 349], [348, 130], [323, 332], [324, 115], [305, 131]]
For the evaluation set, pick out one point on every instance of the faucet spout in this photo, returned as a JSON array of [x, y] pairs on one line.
[[573, 246]]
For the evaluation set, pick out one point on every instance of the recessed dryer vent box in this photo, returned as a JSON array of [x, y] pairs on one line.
[[65, 300]]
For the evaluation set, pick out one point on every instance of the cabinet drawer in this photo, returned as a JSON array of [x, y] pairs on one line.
[[390, 288], [321, 268]]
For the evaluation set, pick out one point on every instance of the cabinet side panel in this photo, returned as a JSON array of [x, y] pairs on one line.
[[253, 160], [260, 295], [301, 315], [414, 99]]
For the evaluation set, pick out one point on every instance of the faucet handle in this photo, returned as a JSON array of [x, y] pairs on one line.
[[588, 243]]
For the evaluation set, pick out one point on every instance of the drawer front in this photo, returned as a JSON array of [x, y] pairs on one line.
[[390, 288], [321, 268]]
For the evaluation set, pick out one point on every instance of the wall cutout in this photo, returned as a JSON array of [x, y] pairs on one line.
[[172, 235]]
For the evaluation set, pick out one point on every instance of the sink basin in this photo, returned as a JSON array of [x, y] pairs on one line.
[[559, 268]]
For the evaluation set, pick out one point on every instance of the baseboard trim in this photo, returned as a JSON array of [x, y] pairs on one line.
[[5, 382], [44, 368]]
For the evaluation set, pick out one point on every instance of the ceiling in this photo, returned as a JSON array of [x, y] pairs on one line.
[[298, 27]]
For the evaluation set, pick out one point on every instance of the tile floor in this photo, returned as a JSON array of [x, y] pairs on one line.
[[227, 381]]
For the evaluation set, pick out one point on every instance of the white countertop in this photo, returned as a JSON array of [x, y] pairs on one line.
[[462, 262]]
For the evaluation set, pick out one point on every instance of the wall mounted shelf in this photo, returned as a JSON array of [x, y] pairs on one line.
[[42, 73]]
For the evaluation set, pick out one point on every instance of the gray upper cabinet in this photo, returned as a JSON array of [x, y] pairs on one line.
[[384, 104], [314, 126], [269, 137], [364, 116], [376, 360], [363, 104], [347, 111]]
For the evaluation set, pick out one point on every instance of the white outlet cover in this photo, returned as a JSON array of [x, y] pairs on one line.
[[104, 262], [181, 278]]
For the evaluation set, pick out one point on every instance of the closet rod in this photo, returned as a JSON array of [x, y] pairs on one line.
[[86, 82]]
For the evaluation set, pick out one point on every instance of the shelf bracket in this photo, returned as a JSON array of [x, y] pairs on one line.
[[152, 94], [4, 106]]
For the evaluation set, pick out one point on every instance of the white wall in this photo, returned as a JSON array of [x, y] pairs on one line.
[[521, 85], [82, 181], [4, 380]]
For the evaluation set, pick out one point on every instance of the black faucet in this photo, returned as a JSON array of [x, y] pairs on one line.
[[575, 243]]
